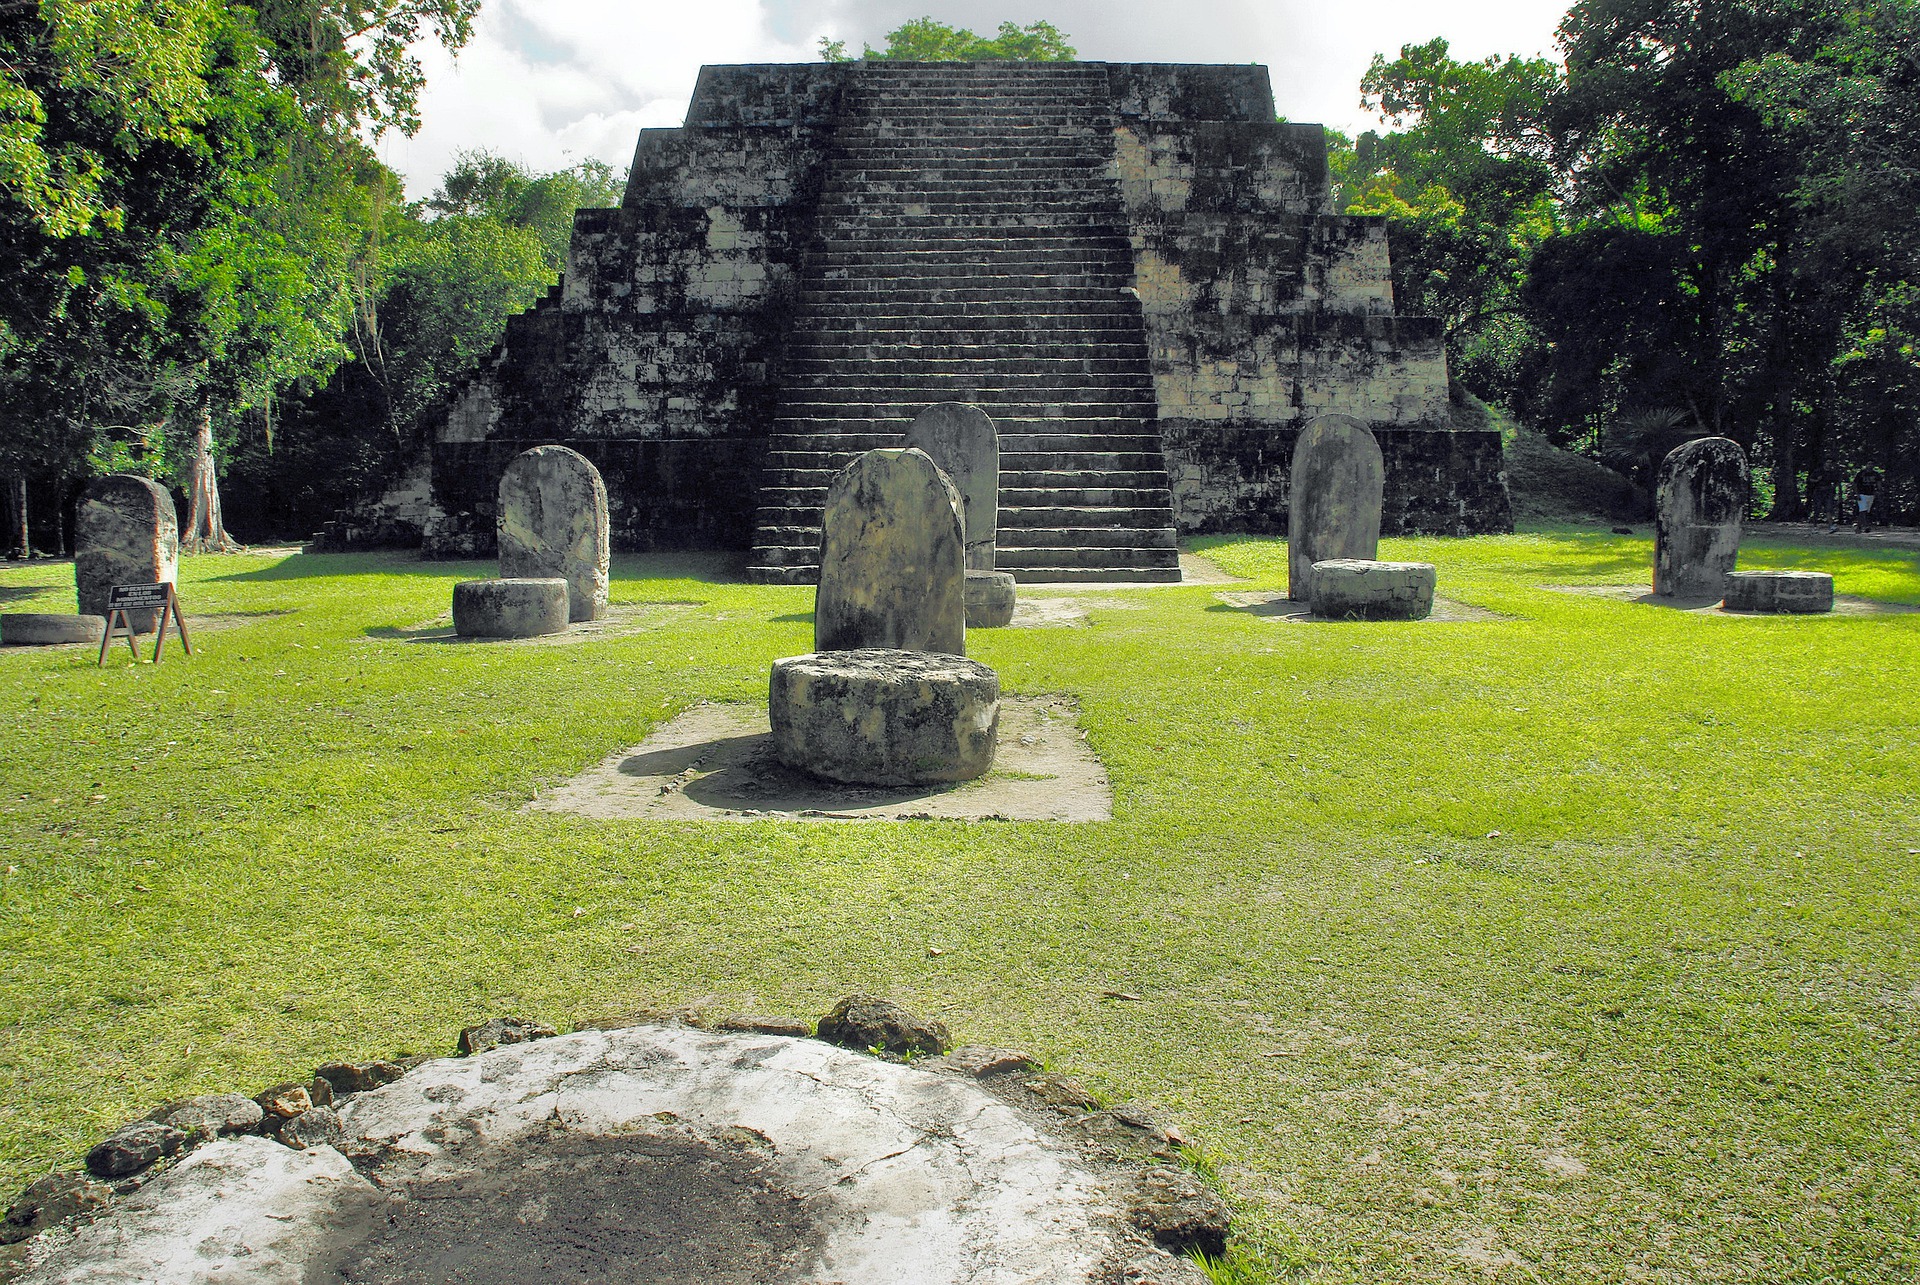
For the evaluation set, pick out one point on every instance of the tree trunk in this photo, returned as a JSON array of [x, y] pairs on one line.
[[1786, 474], [206, 530], [17, 511]]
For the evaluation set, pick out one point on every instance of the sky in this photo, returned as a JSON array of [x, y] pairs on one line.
[[551, 82]]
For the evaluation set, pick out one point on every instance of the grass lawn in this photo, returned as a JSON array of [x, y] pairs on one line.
[[1574, 946]]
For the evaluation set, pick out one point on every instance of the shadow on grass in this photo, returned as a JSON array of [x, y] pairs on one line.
[[704, 566], [794, 618], [14, 593]]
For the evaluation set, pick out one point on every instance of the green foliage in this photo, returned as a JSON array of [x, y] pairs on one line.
[[214, 215], [925, 40], [1706, 207], [448, 273]]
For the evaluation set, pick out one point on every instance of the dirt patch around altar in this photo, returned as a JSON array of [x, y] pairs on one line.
[[1064, 613], [1844, 604], [621, 618], [557, 1205], [1277, 606], [715, 763]]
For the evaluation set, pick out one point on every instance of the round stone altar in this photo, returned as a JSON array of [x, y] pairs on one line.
[[1361, 589], [513, 608], [1779, 592], [876, 716], [49, 628], [991, 597], [651, 1154]]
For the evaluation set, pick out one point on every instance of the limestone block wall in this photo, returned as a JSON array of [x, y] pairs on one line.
[[1236, 477], [653, 355]]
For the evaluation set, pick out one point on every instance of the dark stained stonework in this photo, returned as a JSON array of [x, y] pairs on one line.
[[1128, 266]]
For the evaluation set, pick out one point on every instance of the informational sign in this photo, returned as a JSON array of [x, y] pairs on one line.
[[125, 599]]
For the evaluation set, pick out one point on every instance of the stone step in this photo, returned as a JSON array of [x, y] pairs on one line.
[[878, 269], [1103, 557], [909, 260], [1155, 535], [948, 311], [953, 356], [1091, 497], [1056, 480], [976, 289], [1064, 515], [1097, 575], [932, 385], [854, 414], [901, 362]]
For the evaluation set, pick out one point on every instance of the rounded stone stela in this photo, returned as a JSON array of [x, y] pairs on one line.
[[881, 717], [49, 628], [1361, 589], [991, 596], [1779, 592], [509, 608]]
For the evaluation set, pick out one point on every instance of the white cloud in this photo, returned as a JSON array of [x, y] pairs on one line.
[[549, 82]]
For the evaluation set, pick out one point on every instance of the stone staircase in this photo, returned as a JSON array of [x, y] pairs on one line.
[[970, 246]]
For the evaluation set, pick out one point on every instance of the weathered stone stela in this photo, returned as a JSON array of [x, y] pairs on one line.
[[126, 532], [963, 442], [1334, 511], [552, 520], [1699, 501], [892, 561]]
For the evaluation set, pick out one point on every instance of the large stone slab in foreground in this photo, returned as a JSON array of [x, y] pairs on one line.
[[892, 558], [125, 532], [648, 1153], [883, 717], [553, 522], [1337, 482], [1699, 501]]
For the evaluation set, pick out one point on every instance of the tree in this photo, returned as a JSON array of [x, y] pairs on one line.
[[924, 40], [1708, 209], [185, 241], [486, 244]]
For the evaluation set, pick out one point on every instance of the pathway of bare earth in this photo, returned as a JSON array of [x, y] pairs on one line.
[[1573, 942]]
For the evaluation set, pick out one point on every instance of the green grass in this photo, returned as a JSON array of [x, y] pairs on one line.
[[1575, 946]]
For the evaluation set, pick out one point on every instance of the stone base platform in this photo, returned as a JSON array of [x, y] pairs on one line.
[[1779, 592], [715, 762], [991, 597], [875, 716], [48, 629], [510, 608], [1362, 589]]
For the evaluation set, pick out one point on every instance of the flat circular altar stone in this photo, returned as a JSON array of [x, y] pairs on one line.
[[990, 599], [876, 716], [1792, 592], [1360, 589], [48, 628], [652, 1153], [510, 608]]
